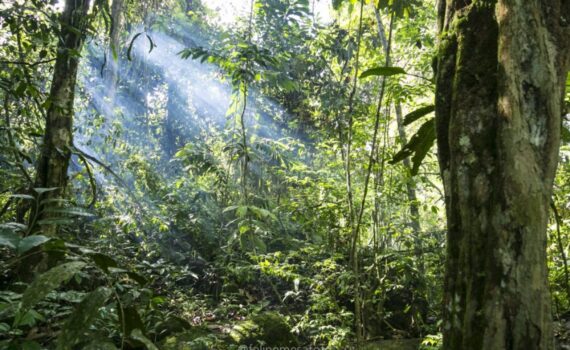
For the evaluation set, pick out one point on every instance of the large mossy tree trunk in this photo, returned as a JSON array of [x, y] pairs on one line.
[[500, 79], [51, 169]]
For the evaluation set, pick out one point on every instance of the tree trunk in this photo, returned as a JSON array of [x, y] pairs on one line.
[[410, 185], [55, 155], [411, 194], [500, 80], [112, 72]]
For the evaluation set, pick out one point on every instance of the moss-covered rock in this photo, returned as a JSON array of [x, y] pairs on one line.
[[270, 329], [196, 338]]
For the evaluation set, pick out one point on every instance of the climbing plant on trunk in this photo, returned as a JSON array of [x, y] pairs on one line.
[[51, 169], [500, 78]]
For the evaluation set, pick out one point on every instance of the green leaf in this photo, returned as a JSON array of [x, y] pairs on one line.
[[230, 208], [140, 279], [41, 190], [382, 71], [262, 213], [9, 238], [31, 242], [82, 318], [13, 227], [103, 261], [241, 211], [47, 282], [22, 196], [130, 320], [55, 221], [158, 300], [417, 114], [259, 244], [138, 335], [53, 200], [28, 318], [69, 211], [418, 146]]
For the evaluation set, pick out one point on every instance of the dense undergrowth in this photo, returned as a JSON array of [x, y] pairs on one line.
[[299, 297]]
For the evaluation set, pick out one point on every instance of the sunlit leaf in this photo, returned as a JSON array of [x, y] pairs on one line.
[[418, 146], [69, 211], [418, 114]]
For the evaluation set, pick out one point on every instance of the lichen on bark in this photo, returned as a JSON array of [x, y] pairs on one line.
[[498, 109]]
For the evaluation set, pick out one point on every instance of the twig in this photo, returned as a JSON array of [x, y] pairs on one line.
[[23, 63], [92, 182]]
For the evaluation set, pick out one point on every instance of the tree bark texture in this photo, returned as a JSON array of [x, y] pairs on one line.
[[58, 138], [500, 77], [112, 72]]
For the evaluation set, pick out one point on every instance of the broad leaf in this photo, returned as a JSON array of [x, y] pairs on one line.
[[55, 221], [138, 335], [241, 211], [104, 262], [41, 190], [418, 114], [418, 146], [22, 196], [140, 279], [130, 320], [82, 318], [382, 71], [31, 242], [47, 282], [230, 208], [9, 238], [70, 211]]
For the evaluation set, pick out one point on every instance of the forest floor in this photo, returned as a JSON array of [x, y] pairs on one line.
[[562, 334]]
